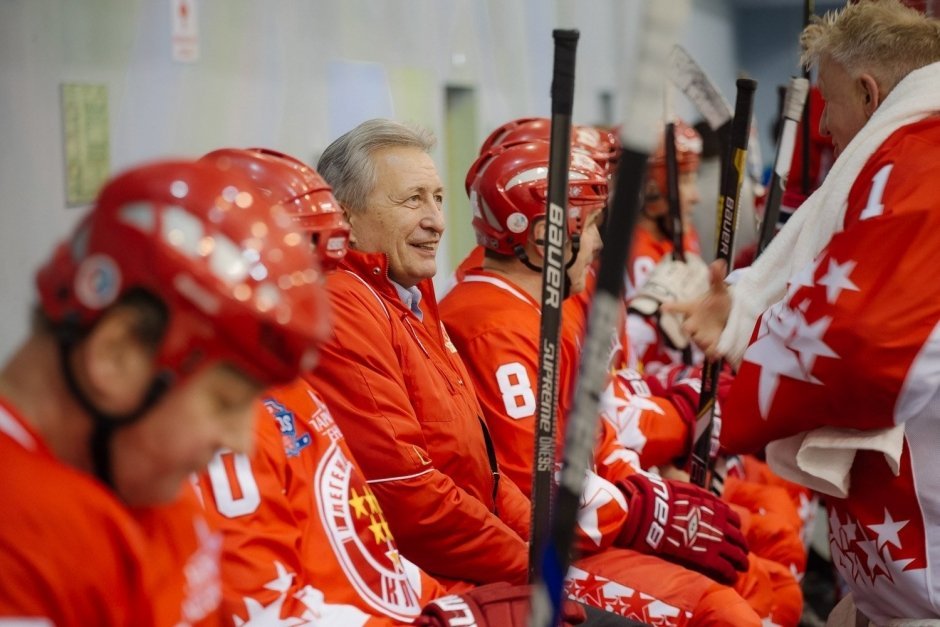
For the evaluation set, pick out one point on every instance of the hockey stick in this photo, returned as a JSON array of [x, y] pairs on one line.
[[689, 77], [692, 80], [809, 9], [676, 228], [676, 231], [700, 470], [641, 116], [553, 273], [792, 109]]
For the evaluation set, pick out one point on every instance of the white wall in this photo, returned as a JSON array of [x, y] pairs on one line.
[[263, 80]]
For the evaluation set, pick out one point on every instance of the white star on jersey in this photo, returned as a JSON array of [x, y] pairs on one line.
[[888, 530], [787, 343], [317, 612], [846, 543], [837, 279], [259, 614]]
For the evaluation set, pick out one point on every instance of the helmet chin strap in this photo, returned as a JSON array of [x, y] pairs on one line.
[[105, 425], [575, 249]]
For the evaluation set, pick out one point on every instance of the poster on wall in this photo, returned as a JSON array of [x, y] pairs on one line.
[[185, 32], [87, 142]]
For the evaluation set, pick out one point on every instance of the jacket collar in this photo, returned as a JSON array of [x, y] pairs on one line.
[[373, 269]]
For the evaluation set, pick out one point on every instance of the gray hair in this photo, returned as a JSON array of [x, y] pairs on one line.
[[880, 37], [347, 165]]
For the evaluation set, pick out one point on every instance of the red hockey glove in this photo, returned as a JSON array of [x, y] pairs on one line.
[[683, 523], [492, 605]]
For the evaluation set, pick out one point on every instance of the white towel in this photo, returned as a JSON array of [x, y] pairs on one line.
[[822, 459]]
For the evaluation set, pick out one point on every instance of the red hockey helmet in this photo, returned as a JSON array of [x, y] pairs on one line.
[[508, 193], [688, 154], [300, 190], [601, 144], [518, 131], [239, 282]]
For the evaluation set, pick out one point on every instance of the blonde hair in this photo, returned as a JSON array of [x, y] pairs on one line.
[[880, 37]]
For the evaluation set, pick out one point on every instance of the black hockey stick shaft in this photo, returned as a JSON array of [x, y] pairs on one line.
[[553, 281], [674, 200], [700, 469], [641, 117], [786, 138], [676, 230]]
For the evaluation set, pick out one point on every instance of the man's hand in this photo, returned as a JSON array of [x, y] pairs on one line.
[[492, 605], [705, 317], [685, 524]]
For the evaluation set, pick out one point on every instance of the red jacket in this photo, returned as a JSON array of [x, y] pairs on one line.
[[402, 397]]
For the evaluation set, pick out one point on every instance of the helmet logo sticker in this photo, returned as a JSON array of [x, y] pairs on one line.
[[97, 282], [517, 222]]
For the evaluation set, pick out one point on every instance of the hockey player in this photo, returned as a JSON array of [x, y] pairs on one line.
[[657, 340], [155, 332], [493, 316], [837, 320]]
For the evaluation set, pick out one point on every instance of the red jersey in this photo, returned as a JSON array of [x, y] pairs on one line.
[[70, 552], [304, 534], [185, 555], [855, 343]]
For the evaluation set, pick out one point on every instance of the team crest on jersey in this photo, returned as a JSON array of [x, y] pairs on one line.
[[287, 423], [360, 538]]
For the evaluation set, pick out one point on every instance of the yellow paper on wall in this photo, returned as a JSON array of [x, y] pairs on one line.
[[87, 140]]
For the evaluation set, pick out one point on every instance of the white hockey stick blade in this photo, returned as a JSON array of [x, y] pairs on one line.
[[792, 112], [689, 77]]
